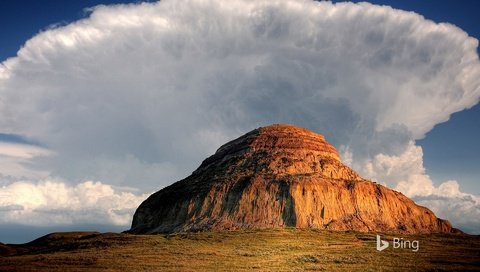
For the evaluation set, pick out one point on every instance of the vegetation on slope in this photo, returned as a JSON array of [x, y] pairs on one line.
[[263, 250]]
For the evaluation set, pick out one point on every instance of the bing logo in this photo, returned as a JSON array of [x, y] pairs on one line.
[[398, 243], [381, 245]]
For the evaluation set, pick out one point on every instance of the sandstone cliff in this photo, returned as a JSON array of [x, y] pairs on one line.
[[278, 176]]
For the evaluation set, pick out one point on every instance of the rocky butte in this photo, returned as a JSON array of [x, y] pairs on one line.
[[280, 176]]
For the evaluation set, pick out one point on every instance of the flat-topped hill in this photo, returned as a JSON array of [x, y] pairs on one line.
[[280, 176]]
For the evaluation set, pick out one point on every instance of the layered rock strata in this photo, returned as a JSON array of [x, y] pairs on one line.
[[280, 176]]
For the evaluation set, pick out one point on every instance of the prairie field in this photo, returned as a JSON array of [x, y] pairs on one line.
[[243, 250]]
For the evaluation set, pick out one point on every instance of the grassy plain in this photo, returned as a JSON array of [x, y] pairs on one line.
[[243, 250]]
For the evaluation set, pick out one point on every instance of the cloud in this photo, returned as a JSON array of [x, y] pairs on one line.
[[463, 211], [406, 173], [48, 202], [21, 150], [11, 207], [15, 158], [137, 95]]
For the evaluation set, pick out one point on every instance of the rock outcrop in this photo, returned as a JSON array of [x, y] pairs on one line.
[[279, 176]]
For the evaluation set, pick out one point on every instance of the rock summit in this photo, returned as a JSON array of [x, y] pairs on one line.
[[280, 176]]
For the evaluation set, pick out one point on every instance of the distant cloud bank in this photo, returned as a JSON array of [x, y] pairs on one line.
[[137, 95], [53, 202]]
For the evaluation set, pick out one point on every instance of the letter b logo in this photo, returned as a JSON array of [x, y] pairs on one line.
[[381, 245]]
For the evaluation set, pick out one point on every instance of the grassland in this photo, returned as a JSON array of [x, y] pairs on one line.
[[261, 250]]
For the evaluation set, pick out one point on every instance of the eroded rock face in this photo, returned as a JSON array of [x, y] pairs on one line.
[[278, 176]]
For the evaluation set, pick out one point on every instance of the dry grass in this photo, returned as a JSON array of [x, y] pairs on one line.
[[261, 250]]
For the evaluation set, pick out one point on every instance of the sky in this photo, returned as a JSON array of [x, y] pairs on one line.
[[102, 105]]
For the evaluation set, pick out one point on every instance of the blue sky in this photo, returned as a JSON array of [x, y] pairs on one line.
[[118, 152]]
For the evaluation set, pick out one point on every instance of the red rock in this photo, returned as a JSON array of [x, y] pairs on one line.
[[279, 176]]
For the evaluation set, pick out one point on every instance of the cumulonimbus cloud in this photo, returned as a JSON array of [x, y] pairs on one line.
[[149, 90]]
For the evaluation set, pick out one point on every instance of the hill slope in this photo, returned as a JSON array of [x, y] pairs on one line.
[[280, 176]]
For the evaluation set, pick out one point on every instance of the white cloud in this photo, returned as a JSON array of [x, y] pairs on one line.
[[139, 94], [55, 202], [15, 158], [463, 211], [22, 150], [406, 173]]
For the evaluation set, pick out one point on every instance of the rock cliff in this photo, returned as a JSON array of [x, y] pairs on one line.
[[279, 176]]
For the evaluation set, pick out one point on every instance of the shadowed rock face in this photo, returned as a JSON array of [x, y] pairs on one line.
[[279, 176]]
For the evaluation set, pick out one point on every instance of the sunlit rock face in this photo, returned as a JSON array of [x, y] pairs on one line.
[[280, 176]]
